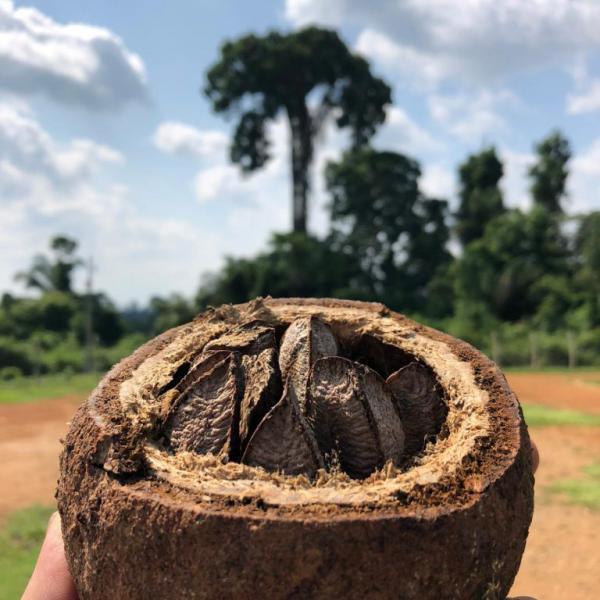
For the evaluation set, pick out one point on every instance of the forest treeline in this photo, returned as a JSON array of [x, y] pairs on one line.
[[523, 285]]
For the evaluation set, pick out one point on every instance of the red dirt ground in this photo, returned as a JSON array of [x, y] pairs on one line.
[[579, 391], [561, 559], [29, 447]]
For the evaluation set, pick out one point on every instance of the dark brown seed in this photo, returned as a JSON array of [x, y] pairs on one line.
[[184, 377], [247, 340], [354, 416], [204, 418], [283, 440], [419, 402], [306, 340], [201, 366], [262, 389]]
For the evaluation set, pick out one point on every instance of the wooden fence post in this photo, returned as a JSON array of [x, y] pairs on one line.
[[572, 349], [496, 354], [533, 350]]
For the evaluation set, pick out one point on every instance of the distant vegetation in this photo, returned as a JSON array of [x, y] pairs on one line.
[[46, 387], [522, 285]]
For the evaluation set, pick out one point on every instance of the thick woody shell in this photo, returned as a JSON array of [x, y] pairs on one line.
[[142, 521]]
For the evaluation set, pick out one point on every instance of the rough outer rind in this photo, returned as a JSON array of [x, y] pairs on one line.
[[129, 535]]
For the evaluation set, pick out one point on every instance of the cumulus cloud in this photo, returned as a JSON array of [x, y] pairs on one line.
[[49, 187], [37, 169], [411, 64], [403, 134], [173, 137], [471, 117], [515, 182], [439, 181], [481, 41], [584, 182], [72, 63], [586, 100]]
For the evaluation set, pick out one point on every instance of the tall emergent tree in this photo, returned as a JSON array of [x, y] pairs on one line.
[[550, 171], [480, 194], [382, 222], [306, 75]]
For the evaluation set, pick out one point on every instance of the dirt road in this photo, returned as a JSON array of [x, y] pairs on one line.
[[561, 559], [579, 391], [29, 447]]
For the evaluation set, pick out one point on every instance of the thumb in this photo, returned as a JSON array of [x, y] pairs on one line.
[[51, 579]]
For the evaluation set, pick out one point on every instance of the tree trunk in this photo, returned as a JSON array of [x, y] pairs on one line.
[[301, 157]]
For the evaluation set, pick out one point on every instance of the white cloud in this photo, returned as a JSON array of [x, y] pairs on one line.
[[471, 116], [584, 182], [438, 181], [413, 66], [587, 100], [173, 137], [515, 182], [72, 63], [48, 187], [38, 170], [588, 161], [479, 41], [402, 134]]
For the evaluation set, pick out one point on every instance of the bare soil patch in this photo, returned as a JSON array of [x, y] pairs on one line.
[[29, 447], [575, 391], [561, 557]]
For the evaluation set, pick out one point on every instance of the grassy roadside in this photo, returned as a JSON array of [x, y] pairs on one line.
[[20, 539], [28, 389], [543, 416], [559, 369], [584, 491]]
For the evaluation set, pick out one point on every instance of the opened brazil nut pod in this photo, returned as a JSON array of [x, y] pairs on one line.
[[298, 448]]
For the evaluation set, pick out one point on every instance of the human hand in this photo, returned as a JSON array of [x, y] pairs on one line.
[[535, 461], [51, 579]]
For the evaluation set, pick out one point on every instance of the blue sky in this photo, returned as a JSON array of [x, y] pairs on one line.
[[105, 136]]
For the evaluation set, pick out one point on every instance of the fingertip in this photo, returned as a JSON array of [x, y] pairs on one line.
[[535, 458]]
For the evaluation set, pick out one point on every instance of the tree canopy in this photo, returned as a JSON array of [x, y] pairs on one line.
[[479, 194], [549, 173], [587, 250], [307, 75], [504, 270], [54, 273], [384, 224]]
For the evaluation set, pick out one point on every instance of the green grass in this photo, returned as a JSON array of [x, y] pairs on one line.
[[549, 369], [20, 541], [27, 389], [542, 416], [584, 491]]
